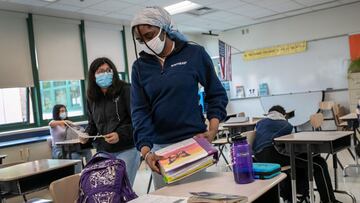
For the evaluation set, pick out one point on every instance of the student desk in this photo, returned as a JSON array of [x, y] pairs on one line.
[[2, 156], [352, 121], [65, 146], [235, 127], [257, 191], [22, 179], [314, 143]]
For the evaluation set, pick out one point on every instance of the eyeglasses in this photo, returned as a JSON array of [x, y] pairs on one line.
[[172, 158], [104, 71]]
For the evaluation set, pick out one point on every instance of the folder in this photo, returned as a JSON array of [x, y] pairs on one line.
[[185, 158]]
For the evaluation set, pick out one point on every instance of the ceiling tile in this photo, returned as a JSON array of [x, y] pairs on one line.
[[161, 3], [218, 15], [190, 29], [182, 17], [273, 17], [281, 5], [313, 2], [348, 1], [298, 12], [93, 12], [111, 5], [132, 10], [225, 5], [78, 3], [64, 7], [30, 2], [252, 11], [324, 6], [120, 16], [206, 2]]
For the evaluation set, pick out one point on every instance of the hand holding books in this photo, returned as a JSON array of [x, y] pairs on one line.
[[151, 160]]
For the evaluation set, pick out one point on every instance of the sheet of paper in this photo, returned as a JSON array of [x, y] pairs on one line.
[[159, 199], [78, 131]]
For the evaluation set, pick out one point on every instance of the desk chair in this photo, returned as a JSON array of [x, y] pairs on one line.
[[65, 189], [316, 121], [339, 111], [250, 136], [241, 114], [221, 144], [336, 111]]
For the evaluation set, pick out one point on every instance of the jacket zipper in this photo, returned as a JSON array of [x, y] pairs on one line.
[[105, 117]]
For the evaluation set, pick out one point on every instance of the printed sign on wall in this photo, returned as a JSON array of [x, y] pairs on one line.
[[275, 51]]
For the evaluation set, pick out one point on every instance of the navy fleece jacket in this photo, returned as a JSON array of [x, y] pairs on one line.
[[164, 100], [267, 130]]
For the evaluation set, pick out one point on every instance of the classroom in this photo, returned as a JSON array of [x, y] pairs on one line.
[[175, 101]]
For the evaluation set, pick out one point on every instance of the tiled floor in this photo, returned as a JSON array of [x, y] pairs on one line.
[[351, 183]]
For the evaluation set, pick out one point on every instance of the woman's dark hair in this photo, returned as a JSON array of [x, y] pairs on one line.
[[56, 111], [279, 109], [94, 91]]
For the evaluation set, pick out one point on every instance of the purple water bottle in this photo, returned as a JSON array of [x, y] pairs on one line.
[[242, 160]]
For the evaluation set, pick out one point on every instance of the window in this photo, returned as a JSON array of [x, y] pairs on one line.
[[61, 92], [15, 106]]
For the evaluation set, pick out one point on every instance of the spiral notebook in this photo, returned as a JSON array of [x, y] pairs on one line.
[[186, 158]]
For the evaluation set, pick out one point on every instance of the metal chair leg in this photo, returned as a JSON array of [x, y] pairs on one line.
[[351, 153], [327, 156], [149, 184], [221, 148]]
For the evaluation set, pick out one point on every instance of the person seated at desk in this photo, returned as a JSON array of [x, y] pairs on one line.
[[60, 132], [276, 125]]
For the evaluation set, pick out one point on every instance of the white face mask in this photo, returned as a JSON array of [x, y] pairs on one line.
[[155, 44], [63, 115]]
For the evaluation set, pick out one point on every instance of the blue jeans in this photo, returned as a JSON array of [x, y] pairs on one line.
[[131, 157], [57, 153]]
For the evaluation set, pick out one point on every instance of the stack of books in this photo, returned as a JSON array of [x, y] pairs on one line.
[[186, 158]]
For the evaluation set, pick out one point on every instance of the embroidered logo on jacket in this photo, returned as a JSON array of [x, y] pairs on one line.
[[182, 63]]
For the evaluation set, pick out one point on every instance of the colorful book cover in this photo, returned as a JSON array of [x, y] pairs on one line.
[[186, 158]]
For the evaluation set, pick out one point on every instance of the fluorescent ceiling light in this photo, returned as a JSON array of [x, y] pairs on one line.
[[182, 7], [51, 1]]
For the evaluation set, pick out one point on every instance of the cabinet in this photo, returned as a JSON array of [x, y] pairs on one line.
[[26, 152], [354, 90]]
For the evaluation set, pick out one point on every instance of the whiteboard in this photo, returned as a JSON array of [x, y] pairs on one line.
[[304, 104], [323, 65]]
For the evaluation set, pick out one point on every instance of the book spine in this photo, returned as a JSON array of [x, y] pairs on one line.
[[209, 148]]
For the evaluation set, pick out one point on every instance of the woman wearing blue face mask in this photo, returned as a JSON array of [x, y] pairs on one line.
[[165, 84], [108, 104], [60, 131]]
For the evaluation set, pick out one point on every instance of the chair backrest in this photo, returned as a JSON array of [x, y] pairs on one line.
[[316, 120], [250, 136], [338, 111], [65, 189], [326, 105]]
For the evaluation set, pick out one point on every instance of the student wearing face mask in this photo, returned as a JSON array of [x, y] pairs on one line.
[[165, 83], [108, 104], [60, 131]]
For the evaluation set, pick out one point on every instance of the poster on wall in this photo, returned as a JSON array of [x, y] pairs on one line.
[[354, 41], [225, 61]]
